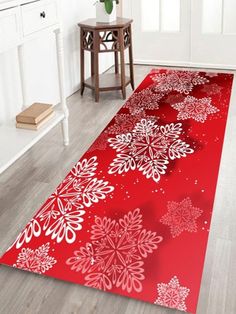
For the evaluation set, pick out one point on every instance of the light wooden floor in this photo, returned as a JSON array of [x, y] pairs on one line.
[[26, 185]]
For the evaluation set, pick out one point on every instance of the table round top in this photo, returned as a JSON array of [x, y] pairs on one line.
[[93, 24]]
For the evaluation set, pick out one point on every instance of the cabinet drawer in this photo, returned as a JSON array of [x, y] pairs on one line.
[[38, 15], [9, 28]]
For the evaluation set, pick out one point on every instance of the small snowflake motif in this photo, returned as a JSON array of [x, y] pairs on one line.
[[180, 81], [148, 148], [61, 217], [115, 256], [172, 295], [194, 108], [181, 217], [37, 261], [144, 100], [213, 89], [126, 122]]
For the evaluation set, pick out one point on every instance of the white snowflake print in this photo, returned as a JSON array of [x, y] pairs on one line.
[[126, 122], [62, 214], [143, 100], [115, 256], [37, 261], [122, 123], [33, 229], [172, 295], [181, 217], [148, 148], [194, 108], [179, 81]]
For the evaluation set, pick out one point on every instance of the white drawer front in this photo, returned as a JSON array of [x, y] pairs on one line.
[[39, 15], [9, 28]]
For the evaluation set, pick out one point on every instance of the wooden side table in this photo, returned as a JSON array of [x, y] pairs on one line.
[[102, 38]]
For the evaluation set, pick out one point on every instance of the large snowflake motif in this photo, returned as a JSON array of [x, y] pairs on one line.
[[114, 258], [61, 216], [37, 261], [148, 148], [179, 81], [197, 109], [172, 295], [143, 100], [181, 217]]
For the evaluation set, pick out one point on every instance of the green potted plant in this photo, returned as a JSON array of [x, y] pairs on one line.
[[106, 11]]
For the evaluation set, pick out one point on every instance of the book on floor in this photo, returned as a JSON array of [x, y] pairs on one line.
[[34, 114], [35, 127]]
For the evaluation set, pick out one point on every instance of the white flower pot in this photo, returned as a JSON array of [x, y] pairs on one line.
[[101, 14]]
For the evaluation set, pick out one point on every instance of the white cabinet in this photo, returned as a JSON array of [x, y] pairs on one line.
[[9, 28], [21, 21]]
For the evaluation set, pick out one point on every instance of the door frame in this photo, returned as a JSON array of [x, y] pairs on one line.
[[126, 8]]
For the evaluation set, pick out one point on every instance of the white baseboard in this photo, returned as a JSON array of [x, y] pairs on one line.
[[186, 64]]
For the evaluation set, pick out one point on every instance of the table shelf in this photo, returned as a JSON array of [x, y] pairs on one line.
[[107, 82]]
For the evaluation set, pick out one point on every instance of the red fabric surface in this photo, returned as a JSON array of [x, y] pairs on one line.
[[133, 216]]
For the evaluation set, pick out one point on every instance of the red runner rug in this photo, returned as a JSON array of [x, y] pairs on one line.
[[133, 216]]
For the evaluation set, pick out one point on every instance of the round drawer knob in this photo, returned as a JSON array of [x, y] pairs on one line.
[[43, 14]]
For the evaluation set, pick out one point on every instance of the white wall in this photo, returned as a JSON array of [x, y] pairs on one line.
[[40, 65]]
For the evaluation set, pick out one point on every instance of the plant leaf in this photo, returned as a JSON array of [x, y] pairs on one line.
[[109, 6]]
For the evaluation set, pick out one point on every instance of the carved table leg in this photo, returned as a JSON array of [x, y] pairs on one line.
[[81, 62], [116, 62], [96, 65], [122, 62], [92, 63]]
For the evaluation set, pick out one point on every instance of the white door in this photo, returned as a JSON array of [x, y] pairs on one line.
[[213, 34], [160, 29], [184, 32]]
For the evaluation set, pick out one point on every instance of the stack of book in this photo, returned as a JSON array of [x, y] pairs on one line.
[[34, 116]]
